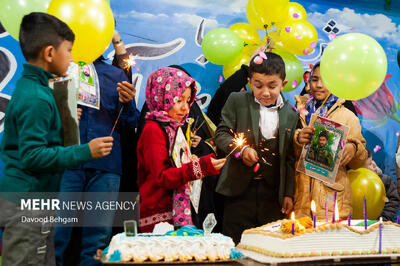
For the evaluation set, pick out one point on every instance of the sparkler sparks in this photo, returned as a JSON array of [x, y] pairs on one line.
[[239, 140], [130, 61]]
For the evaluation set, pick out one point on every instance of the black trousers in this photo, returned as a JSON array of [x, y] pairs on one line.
[[258, 205]]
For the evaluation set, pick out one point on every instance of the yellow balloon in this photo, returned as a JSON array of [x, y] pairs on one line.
[[91, 21], [263, 14], [365, 183], [292, 11], [242, 59], [247, 33], [298, 37]]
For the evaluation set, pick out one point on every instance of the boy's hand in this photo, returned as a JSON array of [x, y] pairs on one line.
[[287, 205], [126, 91], [100, 147], [218, 163], [348, 153], [250, 156], [79, 113], [305, 135], [195, 140]]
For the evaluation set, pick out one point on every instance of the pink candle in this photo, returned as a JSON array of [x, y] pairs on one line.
[[313, 210], [349, 220], [334, 205], [326, 211], [380, 234], [365, 214]]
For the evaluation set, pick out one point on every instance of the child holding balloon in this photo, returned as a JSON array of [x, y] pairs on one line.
[[164, 181], [354, 154]]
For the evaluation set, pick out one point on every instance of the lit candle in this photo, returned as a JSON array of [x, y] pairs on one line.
[[337, 216], [313, 212], [349, 220], [293, 221], [334, 207], [365, 214], [326, 211], [380, 234]]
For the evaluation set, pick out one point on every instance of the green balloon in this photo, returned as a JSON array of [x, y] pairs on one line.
[[12, 12], [353, 66], [221, 46], [293, 67]]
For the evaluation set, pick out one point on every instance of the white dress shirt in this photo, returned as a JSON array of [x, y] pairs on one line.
[[269, 118]]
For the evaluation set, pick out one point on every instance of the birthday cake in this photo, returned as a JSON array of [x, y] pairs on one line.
[[284, 240], [168, 248]]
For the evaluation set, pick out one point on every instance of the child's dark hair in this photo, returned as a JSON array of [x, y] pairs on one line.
[[369, 153], [274, 64], [39, 30]]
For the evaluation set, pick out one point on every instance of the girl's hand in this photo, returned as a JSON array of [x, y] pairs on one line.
[[348, 154], [195, 140], [250, 156], [194, 157], [218, 163], [305, 135]]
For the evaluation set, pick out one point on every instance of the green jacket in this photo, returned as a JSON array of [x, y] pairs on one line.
[[32, 144], [242, 114]]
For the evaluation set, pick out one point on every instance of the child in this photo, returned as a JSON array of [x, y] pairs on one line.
[[392, 205], [169, 94], [32, 144], [354, 154], [253, 197], [101, 175]]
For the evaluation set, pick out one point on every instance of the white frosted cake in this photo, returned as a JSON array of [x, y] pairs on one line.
[[325, 240], [147, 247]]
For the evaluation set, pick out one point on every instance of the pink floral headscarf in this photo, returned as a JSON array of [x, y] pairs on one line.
[[164, 88]]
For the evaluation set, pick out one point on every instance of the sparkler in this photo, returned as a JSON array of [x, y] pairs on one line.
[[130, 61], [239, 140]]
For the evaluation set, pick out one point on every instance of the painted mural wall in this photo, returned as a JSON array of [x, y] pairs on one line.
[[169, 32]]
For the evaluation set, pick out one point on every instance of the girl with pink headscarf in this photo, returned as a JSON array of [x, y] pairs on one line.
[[164, 188]]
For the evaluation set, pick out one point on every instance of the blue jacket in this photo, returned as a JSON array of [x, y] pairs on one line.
[[99, 123]]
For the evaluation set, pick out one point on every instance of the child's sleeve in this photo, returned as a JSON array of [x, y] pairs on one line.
[[156, 161], [356, 138], [290, 164], [223, 134], [35, 152]]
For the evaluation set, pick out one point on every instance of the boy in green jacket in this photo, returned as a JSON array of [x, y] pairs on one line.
[[258, 184], [32, 145]]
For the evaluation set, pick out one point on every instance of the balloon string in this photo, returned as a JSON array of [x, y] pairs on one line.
[[319, 109]]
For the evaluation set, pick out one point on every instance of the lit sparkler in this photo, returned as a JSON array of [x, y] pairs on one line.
[[130, 61], [239, 140]]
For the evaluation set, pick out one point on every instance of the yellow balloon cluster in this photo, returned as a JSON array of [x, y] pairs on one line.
[[297, 36], [91, 21]]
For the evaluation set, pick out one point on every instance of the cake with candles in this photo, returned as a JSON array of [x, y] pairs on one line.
[[185, 244], [307, 238]]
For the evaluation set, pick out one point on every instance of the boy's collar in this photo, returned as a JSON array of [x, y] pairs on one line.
[[40, 73], [279, 103]]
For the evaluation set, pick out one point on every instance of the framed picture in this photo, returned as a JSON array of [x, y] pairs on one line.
[[320, 158]]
